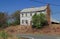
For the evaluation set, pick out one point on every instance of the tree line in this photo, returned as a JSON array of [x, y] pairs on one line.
[[7, 20], [38, 20]]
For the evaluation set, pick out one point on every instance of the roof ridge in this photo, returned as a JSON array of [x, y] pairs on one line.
[[34, 9]]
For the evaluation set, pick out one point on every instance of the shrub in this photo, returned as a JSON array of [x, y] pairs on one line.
[[4, 35], [38, 20]]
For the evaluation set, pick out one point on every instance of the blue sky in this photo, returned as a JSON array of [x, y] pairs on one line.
[[11, 6]]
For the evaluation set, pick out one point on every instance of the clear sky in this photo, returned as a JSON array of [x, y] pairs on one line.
[[11, 6]]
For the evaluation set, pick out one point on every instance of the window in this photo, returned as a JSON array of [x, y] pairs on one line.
[[26, 14], [22, 14], [30, 14], [22, 21], [26, 21]]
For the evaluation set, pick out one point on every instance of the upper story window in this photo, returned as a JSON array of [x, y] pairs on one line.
[[22, 21], [30, 14], [26, 14], [22, 14]]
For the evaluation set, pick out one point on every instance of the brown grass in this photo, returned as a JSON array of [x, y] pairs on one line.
[[53, 29], [14, 37]]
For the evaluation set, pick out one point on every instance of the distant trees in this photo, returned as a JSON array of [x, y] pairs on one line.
[[39, 20], [16, 17], [3, 19]]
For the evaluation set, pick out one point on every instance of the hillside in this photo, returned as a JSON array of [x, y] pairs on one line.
[[53, 29]]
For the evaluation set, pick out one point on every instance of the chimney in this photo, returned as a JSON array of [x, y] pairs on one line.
[[48, 14]]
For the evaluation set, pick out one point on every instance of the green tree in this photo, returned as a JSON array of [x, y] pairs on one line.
[[35, 20], [3, 19], [43, 20], [38, 20], [16, 17]]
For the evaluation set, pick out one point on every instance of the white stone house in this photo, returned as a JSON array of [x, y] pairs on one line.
[[27, 13]]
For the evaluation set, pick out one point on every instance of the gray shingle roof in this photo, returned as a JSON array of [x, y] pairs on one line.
[[34, 9]]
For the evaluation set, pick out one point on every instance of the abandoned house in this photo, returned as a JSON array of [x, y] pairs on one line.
[[26, 14]]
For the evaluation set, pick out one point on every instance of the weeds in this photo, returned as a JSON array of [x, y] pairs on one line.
[[3, 35]]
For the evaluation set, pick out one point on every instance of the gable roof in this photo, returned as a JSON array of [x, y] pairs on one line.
[[34, 9]]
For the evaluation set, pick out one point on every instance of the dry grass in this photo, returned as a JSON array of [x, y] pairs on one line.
[[14, 37], [53, 29]]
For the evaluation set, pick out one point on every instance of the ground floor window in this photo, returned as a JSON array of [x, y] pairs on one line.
[[26, 21], [22, 21]]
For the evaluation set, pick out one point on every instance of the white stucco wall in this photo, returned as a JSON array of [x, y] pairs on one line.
[[28, 17]]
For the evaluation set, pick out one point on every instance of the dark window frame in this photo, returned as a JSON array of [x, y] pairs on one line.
[[22, 21], [26, 21], [26, 14], [30, 14], [22, 14]]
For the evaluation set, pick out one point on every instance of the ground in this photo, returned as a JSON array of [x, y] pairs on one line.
[[19, 30], [54, 29]]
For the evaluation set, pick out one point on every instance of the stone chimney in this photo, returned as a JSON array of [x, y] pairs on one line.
[[48, 14]]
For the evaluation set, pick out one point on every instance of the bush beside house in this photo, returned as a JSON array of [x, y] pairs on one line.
[[39, 20]]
